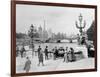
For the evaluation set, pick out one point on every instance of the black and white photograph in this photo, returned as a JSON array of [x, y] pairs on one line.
[[54, 38]]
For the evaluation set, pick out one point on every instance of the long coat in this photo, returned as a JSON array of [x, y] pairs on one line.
[[27, 65], [39, 51], [71, 56], [41, 57], [46, 51]]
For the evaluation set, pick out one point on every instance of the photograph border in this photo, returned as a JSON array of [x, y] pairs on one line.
[[13, 37]]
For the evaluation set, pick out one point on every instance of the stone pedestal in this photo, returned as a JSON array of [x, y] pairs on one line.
[[83, 49]]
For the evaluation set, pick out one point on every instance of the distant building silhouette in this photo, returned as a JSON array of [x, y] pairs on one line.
[[40, 31]]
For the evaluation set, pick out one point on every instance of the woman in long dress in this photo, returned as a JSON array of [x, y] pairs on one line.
[[27, 65], [71, 55], [66, 55]]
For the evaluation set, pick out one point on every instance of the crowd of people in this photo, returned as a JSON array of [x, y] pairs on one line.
[[67, 55]]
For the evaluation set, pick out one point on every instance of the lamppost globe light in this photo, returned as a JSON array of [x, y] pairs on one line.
[[80, 17], [80, 27]]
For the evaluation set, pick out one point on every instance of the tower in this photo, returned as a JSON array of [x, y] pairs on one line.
[[45, 33]]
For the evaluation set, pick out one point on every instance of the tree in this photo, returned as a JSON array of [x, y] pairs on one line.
[[90, 31], [20, 35]]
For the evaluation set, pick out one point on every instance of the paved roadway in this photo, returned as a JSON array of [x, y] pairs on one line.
[[53, 65]]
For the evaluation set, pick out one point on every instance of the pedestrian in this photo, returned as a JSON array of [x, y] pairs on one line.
[[40, 57], [72, 55], [46, 53], [66, 55], [55, 53], [38, 50], [17, 51], [27, 65], [22, 52]]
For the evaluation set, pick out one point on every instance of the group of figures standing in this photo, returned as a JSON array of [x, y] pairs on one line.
[[67, 55]]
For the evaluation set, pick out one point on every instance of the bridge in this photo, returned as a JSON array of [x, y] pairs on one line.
[[70, 39], [46, 40]]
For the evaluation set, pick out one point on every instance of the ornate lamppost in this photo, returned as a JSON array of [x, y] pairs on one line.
[[31, 34], [80, 26]]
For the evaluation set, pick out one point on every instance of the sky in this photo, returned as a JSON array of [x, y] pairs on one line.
[[58, 19]]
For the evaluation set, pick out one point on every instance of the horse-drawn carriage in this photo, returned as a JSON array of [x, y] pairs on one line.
[[59, 52]]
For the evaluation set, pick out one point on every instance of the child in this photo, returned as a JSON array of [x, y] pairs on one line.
[[27, 65]]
